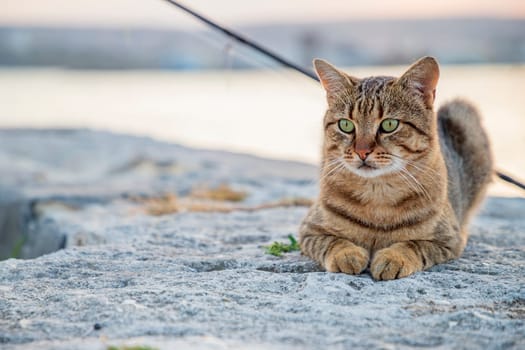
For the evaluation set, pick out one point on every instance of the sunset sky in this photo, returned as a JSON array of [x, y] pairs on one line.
[[157, 13]]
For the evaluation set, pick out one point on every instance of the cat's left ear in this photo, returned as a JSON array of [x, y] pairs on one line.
[[423, 76]]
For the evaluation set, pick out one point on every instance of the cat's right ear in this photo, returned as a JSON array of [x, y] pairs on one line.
[[333, 81]]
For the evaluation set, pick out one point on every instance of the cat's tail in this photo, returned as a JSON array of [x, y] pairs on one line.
[[466, 148]]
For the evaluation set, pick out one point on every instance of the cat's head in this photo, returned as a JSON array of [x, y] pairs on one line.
[[379, 125]]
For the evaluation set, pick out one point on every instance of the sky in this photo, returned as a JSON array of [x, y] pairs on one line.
[[159, 14]]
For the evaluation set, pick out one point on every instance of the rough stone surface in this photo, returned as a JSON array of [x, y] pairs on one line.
[[72, 168], [203, 281]]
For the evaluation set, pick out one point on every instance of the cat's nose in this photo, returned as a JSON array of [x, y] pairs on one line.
[[363, 152]]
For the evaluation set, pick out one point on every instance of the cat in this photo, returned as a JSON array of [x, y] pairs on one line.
[[398, 183]]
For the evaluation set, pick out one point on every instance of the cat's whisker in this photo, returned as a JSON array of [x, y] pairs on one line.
[[417, 183], [433, 176], [339, 166], [420, 167], [408, 182], [430, 173], [426, 171], [429, 176], [434, 180], [329, 168], [411, 184]]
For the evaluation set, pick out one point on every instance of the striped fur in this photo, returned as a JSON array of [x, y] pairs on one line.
[[404, 207]]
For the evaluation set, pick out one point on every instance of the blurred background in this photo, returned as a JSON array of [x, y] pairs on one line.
[[144, 67]]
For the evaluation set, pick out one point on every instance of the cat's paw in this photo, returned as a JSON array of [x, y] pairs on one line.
[[349, 259], [394, 262]]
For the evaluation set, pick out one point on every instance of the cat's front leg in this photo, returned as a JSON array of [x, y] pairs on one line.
[[404, 258], [335, 254], [347, 257]]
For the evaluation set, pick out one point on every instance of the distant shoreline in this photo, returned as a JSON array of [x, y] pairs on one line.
[[357, 43]]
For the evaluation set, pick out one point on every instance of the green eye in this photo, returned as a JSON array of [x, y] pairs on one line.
[[346, 125], [389, 125]]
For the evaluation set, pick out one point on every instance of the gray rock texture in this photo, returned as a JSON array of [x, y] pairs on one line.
[[202, 280], [67, 169]]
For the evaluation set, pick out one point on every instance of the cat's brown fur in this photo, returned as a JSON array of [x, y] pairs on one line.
[[407, 209]]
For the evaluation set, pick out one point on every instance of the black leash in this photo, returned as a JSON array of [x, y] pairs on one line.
[[245, 41], [510, 179], [289, 64]]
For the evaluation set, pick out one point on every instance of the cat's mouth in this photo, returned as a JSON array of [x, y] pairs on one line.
[[370, 170], [366, 167]]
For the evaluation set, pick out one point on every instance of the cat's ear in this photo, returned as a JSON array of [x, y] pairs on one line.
[[423, 76], [333, 81]]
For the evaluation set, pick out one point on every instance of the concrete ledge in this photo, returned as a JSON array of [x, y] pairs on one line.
[[201, 280]]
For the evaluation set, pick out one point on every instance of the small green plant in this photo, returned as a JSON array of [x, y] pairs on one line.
[[16, 252], [278, 248], [135, 347]]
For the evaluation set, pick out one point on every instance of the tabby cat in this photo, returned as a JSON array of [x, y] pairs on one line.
[[398, 184]]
